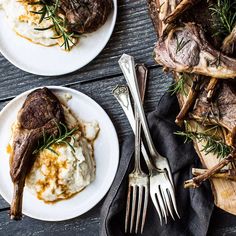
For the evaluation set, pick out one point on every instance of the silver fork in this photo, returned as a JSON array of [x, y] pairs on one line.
[[137, 187], [121, 93], [162, 194], [138, 180]]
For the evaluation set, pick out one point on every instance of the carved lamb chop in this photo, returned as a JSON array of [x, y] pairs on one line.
[[186, 49], [40, 115], [85, 16], [220, 112]]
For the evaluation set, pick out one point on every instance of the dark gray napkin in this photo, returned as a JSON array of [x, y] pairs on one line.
[[195, 205]]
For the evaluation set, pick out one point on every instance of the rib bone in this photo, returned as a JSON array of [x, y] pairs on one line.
[[179, 10], [189, 101]]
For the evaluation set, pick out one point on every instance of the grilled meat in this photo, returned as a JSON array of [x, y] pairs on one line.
[[85, 16], [200, 52], [186, 49], [39, 116], [194, 42], [221, 111]]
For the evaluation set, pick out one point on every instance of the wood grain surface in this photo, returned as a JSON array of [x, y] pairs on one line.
[[133, 34]]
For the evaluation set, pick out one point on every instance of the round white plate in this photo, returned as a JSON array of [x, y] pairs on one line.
[[53, 61], [106, 156]]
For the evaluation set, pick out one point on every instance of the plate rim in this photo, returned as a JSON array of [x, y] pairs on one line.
[[116, 145], [19, 66]]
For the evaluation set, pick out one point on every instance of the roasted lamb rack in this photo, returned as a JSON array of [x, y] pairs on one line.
[[189, 46]]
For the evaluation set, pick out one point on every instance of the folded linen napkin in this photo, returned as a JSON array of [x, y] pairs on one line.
[[195, 205]]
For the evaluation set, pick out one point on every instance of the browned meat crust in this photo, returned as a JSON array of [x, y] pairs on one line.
[[39, 115], [187, 50], [86, 16]]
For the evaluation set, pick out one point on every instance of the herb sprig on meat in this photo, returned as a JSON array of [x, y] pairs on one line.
[[179, 86], [50, 11], [63, 135]]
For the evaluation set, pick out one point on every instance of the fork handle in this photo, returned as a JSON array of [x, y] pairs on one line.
[[121, 93], [141, 72], [126, 63], [137, 166]]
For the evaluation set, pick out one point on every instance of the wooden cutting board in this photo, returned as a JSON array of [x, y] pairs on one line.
[[224, 190]]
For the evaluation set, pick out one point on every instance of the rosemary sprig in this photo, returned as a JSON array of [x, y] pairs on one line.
[[62, 138], [179, 85], [224, 12], [49, 11], [212, 144], [180, 44], [214, 62]]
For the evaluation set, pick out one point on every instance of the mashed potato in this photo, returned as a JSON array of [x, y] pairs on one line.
[[59, 176], [61, 172], [23, 21]]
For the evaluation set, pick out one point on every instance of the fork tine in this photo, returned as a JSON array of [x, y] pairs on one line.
[[127, 209], [154, 200], [133, 208], [144, 208], [140, 200], [165, 200], [172, 197], [168, 203], [161, 203], [169, 175]]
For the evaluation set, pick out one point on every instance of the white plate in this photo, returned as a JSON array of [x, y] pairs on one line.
[[106, 156], [53, 61]]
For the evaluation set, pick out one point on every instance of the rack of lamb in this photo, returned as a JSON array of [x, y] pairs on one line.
[[197, 44]]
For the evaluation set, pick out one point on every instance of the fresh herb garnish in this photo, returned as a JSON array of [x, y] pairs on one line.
[[50, 11], [224, 12], [214, 62], [212, 143], [180, 44], [179, 85], [63, 136]]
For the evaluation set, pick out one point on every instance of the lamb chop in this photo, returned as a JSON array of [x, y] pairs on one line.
[[220, 112], [85, 16], [184, 46], [186, 49], [39, 116], [182, 53]]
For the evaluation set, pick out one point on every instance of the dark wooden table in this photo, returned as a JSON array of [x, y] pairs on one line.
[[133, 34]]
